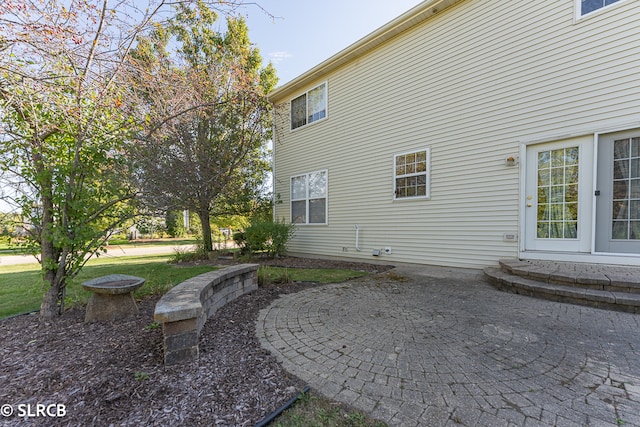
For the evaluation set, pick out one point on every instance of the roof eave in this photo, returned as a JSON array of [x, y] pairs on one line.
[[402, 23]]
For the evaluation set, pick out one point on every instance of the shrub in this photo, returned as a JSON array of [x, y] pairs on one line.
[[184, 255], [269, 237], [273, 276]]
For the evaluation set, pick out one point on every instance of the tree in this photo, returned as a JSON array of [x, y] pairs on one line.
[[64, 126], [175, 223], [207, 156]]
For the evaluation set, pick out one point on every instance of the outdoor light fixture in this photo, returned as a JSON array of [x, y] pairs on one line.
[[511, 161]]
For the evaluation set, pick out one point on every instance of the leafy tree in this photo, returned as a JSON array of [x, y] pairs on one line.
[[175, 223], [65, 125], [208, 156], [151, 226]]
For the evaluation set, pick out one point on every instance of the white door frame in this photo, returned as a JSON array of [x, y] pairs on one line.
[[582, 242], [591, 256]]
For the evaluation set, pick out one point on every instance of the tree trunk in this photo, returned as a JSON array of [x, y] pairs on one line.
[[49, 306], [48, 258], [206, 230]]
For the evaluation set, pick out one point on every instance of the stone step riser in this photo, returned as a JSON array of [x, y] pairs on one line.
[[598, 298], [583, 280]]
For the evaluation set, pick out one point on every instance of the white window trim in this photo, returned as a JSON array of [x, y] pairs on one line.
[[326, 106], [307, 198], [578, 9], [427, 195]]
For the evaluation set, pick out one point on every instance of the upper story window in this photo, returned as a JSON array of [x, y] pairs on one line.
[[588, 6], [309, 107], [309, 198], [411, 174]]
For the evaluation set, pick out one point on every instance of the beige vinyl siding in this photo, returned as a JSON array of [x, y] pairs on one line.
[[471, 83]]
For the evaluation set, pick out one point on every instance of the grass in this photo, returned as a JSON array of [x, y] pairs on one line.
[[21, 288], [268, 275], [312, 410]]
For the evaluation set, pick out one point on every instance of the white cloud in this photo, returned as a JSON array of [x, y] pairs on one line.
[[280, 56]]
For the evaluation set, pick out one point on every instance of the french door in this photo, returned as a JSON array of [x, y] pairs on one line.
[[618, 193], [558, 196]]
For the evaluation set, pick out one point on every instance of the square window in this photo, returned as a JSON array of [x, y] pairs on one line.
[[411, 174], [309, 198], [309, 107]]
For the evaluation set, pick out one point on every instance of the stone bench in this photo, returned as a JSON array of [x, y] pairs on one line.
[[184, 310]]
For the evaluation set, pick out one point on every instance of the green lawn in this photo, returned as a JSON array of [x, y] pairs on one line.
[[317, 275], [314, 410], [21, 289]]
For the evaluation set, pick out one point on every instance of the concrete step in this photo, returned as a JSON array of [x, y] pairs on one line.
[[535, 287], [612, 278]]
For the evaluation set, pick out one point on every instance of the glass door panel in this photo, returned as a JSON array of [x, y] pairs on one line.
[[618, 203], [558, 193]]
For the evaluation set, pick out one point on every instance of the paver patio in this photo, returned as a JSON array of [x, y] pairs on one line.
[[441, 347]]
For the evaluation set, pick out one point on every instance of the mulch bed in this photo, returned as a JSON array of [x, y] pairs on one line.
[[113, 373]]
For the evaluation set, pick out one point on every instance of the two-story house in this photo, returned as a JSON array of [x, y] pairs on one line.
[[466, 131]]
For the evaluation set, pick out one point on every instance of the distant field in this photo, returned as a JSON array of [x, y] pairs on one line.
[[15, 249]]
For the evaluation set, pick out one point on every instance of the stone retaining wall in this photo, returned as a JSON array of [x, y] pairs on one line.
[[184, 310]]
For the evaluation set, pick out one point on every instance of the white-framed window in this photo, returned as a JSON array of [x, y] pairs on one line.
[[309, 198], [309, 107], [585, 7], [411, 174]]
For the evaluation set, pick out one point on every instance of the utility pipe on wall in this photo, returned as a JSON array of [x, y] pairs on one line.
[[357, 237]]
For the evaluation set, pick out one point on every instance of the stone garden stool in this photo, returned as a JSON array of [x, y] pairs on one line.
[[112, 297]]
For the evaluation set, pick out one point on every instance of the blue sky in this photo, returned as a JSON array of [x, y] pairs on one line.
[[304, 33]]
